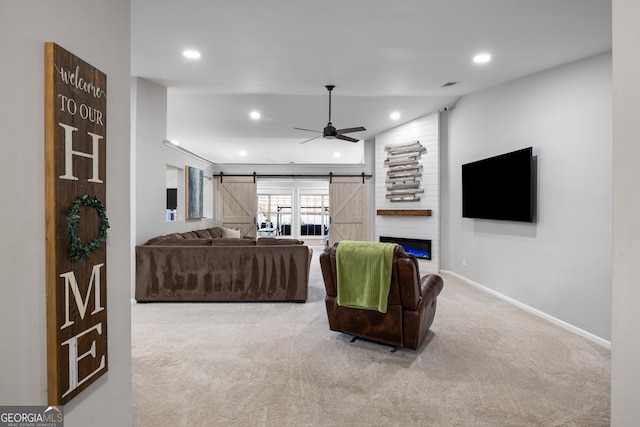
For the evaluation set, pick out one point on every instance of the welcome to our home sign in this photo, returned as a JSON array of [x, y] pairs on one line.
[[76, 223]]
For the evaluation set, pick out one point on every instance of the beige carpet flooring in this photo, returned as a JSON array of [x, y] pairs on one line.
[[485, 363]]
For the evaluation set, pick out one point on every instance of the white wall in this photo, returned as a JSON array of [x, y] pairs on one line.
[[152, 158], [625, 347], [561, 264], [97, 32], [426, 131]]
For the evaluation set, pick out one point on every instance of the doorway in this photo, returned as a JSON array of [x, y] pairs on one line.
[[293, 208]]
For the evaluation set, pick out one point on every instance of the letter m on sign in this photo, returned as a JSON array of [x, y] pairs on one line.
[[70, 284]]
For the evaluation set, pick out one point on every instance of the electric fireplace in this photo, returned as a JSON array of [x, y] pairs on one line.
[[418, 247]]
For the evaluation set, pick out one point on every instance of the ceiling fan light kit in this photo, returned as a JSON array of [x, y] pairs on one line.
[[330, 132]]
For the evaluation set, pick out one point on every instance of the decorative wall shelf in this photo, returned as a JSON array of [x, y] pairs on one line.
[[404, 212], [404, 172]]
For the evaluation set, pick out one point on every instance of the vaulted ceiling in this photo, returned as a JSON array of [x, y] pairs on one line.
[[276, 57]]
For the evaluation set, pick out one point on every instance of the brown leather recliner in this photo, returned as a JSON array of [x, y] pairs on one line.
[[410, 310]]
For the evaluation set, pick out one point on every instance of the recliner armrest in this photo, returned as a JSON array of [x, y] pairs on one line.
[[409, 282], [430, 284], [327, 266]]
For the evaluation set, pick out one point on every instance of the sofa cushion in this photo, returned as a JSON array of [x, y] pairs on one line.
[[224, 241], [184, 242], [203, 234], [275, 241], [189, 235], [155, 240], [215, 232], [233, 233]]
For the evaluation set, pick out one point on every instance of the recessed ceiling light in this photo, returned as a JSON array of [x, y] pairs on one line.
[[242, 153], [255, 115], [336, 154], [191, 54], [395, 115], [482, 58]]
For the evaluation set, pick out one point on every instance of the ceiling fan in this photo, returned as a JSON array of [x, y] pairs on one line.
[[330, 132]]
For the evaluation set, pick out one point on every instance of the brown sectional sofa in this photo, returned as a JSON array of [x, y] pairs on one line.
[[203, 265]]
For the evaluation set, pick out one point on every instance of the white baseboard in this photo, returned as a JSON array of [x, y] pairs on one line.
[[571, 328]]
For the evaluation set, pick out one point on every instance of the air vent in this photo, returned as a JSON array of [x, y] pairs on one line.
[[447, 84]]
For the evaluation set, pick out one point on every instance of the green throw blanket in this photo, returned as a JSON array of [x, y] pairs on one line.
[[364, 274]]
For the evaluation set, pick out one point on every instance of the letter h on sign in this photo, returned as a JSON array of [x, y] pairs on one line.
[[69, 152]]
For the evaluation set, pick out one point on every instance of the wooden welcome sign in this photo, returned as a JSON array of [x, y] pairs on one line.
[[76, 223]]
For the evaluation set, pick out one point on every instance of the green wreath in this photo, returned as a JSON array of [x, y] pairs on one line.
[[76, 250]]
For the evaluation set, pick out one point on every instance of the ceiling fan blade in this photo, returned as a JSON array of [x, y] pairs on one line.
[[311, 139], [348, 130], [309, 130], [346, 138]]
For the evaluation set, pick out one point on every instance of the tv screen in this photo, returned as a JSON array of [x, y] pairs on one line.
[[172, 198], [499, 187]]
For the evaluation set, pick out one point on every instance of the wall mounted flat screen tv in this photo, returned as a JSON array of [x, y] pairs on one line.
[[499, 187]]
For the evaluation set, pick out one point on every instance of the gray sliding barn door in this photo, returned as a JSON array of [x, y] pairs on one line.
[[347, 209], [238, 204]]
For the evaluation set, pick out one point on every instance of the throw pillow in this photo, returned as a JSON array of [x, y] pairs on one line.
[[231, 233]]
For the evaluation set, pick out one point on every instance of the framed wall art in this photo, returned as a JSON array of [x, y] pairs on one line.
[[194, 182]]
